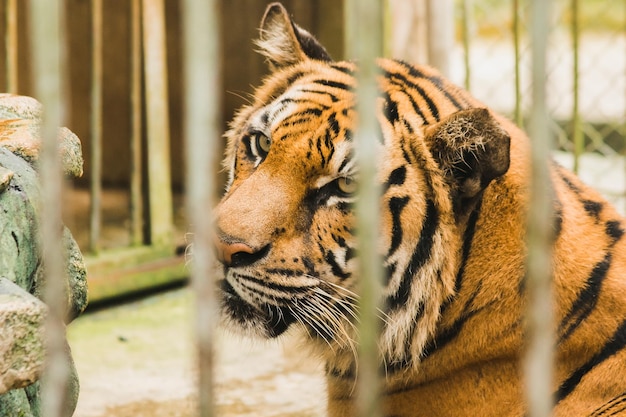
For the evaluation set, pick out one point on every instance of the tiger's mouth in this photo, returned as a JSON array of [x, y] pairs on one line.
[[275, 320]]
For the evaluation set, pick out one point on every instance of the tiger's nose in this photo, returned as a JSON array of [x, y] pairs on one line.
[[237, 254]]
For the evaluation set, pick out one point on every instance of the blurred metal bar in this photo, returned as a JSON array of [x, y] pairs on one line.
[[11, 43], [578, 137], [202, 126], [46, 18], [539, 354], [136, 166], [157, 119], [440, 34], [95, 189], [466, 20], [364, 44], [519, 116]]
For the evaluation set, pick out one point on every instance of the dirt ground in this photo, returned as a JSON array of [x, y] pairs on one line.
[[138, 360]]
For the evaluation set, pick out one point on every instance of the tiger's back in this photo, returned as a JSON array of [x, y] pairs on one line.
[[453, 210]]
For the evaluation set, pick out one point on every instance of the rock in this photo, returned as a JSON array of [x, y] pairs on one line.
[[22, 277], [20, 133], [22, 349]]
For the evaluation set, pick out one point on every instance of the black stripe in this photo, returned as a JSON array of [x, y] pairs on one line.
[[396, 205], [390, 109], [333, 84], [435, 80], [614, 230], [332, 97], [615, 344], [558, 219], [342, 68], [573, 187], [288, 82], [613, 407], [586, 300], [272, 285], [416, 108], [344, 163], [432, 107], [329, 257], [397, 177], [420, 255], [448, 334], [468, 238], [593, 208]]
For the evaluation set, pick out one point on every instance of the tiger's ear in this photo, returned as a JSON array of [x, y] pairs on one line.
[[283, 42], [471, 148]]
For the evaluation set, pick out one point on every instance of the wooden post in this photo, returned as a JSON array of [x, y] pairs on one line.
[[157, 118], [95, 189], [136, 166]]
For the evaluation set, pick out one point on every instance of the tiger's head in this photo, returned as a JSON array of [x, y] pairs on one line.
[[285, 235]]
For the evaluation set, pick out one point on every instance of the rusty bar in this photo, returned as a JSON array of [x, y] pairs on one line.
[[95, 208], [202, 127], [11, 40], [47, 39], [157, 120], [136, 200], [539, 353], [364, 44]]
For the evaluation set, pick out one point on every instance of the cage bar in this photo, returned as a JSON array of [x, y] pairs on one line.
[[364, 28], [518, 112], [466, 22], [47, 28], [11, 44], [95, 189], [440, 34], [577, 132], [202, 127], [539, 354]]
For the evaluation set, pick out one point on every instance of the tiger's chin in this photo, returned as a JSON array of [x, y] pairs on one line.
[[268, 321]]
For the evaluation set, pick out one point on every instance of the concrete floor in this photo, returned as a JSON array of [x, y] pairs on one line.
[[138, 360]]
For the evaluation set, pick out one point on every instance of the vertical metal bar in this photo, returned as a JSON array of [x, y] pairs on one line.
[[136, 200], [576, 127], [519, 117], [95, 209], [202, 127], [364, 44], [539, 354], [466, 19], [47, 39], [624, 124], [440, 34], [11, 40], [157, 117]]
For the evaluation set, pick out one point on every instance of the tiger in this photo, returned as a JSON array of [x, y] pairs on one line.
[[454, 178]]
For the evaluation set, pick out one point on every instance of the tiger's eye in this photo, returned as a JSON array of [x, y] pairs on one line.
[[263, 143], [346, 185]]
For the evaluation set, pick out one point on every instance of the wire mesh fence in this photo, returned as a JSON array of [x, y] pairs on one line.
[[586, 77]]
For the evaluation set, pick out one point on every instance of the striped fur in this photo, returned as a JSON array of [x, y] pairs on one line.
[[454, 177]]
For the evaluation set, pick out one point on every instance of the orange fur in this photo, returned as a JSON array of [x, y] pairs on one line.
[[455, 179]]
